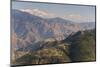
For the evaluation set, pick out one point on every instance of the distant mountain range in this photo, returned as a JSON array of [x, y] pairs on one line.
[[32, 25], [87, 25], [38, 12]]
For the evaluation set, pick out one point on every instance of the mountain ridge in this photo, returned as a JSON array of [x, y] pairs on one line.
[[30, 28]]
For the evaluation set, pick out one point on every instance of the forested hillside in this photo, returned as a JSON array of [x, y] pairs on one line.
[[77, 47]]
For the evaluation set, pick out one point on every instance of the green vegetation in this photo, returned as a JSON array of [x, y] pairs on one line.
[[77, 47], [83, 47], [56, 54]]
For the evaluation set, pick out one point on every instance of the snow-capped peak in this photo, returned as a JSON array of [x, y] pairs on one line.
[[39, 12]]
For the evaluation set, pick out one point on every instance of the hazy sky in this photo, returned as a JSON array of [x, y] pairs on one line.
[[75, 13]]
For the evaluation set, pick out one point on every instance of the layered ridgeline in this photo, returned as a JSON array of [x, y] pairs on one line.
[[40, 37]]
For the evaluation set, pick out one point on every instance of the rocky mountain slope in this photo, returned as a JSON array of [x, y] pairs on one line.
[[75, 48], [35, 34], [30, 28]]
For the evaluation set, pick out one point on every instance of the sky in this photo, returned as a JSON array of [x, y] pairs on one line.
[[76, 13]]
